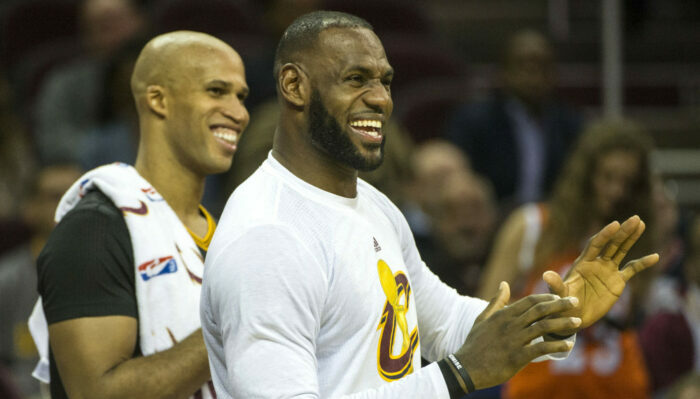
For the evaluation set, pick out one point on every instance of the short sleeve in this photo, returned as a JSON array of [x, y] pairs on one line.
[[262, 301], [86, 268]]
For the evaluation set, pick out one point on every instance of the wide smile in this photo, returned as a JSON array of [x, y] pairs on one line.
[[226, 136], [369, 130]]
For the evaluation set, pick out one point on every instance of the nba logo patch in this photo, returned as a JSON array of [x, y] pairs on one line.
[[152, 194], [157, 267]]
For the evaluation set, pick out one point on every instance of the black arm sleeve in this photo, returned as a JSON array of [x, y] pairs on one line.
[[86, 268]]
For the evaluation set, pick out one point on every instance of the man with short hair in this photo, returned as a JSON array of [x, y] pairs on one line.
[[313, 286], [519, 135], [120, 276]]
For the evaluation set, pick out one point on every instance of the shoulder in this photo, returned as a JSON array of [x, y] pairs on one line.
[[522, 223], [95, 201], [524, 218], [263, 255], [377, 198], [482, 108], [94, 222], [255, 245]]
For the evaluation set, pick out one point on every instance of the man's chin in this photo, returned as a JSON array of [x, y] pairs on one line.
[[371, 164]]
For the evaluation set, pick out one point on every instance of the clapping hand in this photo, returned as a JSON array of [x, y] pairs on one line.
[[596, 278]]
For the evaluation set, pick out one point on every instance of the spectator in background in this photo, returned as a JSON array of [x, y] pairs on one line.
[[17, 165], [670, 337], [463, 221], [452, 213], [69, 101], [115, 135], [669, 236], [431, 163], [18, 274], [606, 178], [519, 136]]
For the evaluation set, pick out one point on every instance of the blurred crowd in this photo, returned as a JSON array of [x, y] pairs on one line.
[[496, 185]]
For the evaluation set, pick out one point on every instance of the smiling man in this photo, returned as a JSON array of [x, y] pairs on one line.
[[120, 276], [313, 286]]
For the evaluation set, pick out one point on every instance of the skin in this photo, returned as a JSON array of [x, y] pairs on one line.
[[352, 77], [106, 24], [613, 178], [350, 71], [466, 217], [528, 72], [186, 86]]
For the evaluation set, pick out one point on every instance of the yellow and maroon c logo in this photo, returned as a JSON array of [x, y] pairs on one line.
[[392, 367]]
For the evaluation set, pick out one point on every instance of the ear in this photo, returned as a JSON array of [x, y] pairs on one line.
[[293, 84], [155, 99]]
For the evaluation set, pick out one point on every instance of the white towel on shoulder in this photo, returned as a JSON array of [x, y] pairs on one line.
[[168, 263]]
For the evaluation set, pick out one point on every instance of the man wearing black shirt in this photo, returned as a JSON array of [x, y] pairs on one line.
[[189, 90]]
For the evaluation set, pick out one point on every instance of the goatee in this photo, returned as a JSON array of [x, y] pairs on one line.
[[328, 136]]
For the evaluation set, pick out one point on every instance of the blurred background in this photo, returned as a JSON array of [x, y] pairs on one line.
[[495, 100]]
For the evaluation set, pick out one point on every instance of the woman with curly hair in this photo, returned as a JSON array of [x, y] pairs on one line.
[[607, 177]]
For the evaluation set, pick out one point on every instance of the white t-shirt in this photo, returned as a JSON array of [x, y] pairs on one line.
[[293, 304]]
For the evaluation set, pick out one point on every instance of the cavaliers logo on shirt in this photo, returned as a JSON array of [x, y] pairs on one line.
[[393, 367], [141, 210]]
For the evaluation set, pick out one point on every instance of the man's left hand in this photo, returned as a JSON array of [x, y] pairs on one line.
[[596, 278]]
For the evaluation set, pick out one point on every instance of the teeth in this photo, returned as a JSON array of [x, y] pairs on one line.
[[367, 123], [223, 133]]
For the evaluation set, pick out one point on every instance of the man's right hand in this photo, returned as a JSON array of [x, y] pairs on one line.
[[500, 343]]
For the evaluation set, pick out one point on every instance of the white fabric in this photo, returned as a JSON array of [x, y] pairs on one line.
[[533, 228], [39, 330], [292, 302], [167, 261]]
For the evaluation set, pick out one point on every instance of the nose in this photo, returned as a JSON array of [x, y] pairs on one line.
[[378, 97], [238, 113]]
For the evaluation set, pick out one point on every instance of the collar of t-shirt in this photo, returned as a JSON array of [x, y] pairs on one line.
[[307, 189]]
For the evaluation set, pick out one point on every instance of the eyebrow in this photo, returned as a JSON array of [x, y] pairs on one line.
[[367, 71], [220, 83], [228, 85]]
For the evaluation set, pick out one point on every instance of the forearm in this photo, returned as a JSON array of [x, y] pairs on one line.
[[174, 373], [445, 317]]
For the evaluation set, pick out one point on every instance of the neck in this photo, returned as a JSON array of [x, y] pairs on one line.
[[181, 187], [313, 166]]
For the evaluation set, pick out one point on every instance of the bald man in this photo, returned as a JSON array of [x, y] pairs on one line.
[[121, 273]]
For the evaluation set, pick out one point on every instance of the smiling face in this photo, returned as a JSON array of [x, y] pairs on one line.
[[350, 97], [206, 114]]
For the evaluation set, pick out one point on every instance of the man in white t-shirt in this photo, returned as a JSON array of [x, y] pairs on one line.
[[313, 286]]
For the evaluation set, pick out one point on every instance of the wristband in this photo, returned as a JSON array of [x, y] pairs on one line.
[[455, 389], [463, 373]]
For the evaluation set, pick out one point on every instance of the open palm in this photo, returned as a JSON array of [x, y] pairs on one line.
[[596, 278]]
